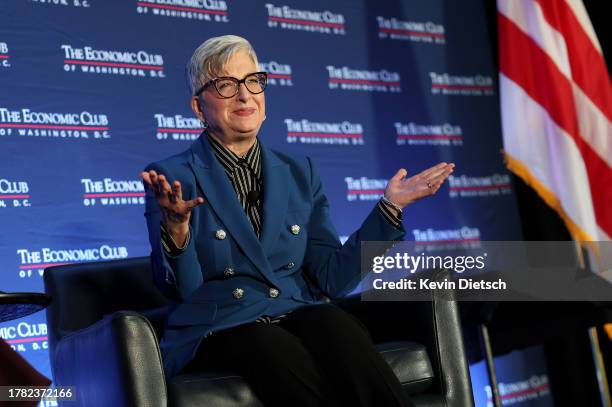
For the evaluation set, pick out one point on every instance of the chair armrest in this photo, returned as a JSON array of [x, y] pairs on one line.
[[434, 323], [114, 362]]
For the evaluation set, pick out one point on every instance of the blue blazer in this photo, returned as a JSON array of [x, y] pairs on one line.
[[227, 276]]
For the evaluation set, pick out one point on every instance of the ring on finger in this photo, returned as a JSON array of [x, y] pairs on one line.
[[429, 185]]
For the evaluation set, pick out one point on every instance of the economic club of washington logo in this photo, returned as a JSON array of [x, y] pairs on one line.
[[14, 194], [414, 134], [24, 336], [464, 186], [364, 188], [304, 131], [432, 240], [278, 74], [446, 84], [201, 10], [287, 18], [32, 263], [112, 192], [346, 78], [54, 125], [65, 3], [415, 31], [90, 60], [460, 235], [176, 127]]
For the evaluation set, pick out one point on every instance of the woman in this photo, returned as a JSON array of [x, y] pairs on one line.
[[242, 239]]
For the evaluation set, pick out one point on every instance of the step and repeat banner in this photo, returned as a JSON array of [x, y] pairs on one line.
[[91, 91]]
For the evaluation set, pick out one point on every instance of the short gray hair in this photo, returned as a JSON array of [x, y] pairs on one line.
[[211, 56]]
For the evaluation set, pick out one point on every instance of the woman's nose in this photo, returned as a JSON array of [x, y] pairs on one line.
[[243, 93]]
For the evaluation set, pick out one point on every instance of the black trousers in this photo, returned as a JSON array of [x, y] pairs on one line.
[[318, 355]]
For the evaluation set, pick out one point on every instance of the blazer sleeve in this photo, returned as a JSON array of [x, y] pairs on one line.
[[176, 276], [335, 267]]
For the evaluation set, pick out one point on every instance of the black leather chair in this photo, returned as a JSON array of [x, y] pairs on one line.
[[105, 320]]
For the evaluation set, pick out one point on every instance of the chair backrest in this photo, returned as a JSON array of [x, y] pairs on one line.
[[82, 293]]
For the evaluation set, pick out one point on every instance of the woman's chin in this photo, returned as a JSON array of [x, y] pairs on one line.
[[246, 130]]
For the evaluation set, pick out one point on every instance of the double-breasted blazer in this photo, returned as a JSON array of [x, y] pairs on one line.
[[227, 276]]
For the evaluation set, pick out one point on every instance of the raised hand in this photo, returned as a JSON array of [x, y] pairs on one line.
[[175, 211], [403, 191]]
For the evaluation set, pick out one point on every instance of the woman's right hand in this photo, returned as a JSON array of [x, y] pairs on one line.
[[175, 211]]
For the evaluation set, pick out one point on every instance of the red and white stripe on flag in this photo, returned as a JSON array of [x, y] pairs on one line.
[[556, 103]]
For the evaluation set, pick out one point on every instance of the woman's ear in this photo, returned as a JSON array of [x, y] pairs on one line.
[[197, 108]]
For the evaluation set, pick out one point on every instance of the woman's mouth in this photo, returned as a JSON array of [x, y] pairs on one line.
[[244, 112]]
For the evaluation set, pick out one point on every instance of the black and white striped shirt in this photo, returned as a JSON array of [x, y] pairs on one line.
[[245, 175]]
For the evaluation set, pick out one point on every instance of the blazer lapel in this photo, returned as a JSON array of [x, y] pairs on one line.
[[276, 194], [221, 196]]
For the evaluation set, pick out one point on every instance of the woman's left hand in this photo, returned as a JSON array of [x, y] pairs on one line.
[[403, 191]]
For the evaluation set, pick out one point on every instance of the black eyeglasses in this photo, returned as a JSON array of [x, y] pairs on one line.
[[227, 86]]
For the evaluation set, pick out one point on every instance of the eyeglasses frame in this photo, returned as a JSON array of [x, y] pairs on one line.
[[239, 81]]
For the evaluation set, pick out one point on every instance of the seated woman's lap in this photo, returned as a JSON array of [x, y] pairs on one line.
[[274, 361], [313, 355]]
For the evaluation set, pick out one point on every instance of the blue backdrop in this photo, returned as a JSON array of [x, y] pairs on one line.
[[91, 91]]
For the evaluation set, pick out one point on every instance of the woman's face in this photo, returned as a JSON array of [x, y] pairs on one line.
[[239, 117]]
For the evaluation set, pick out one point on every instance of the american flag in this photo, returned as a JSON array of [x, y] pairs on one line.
[[556, 102]]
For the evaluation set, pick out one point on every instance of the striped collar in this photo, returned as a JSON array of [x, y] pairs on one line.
[[229, 160]]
